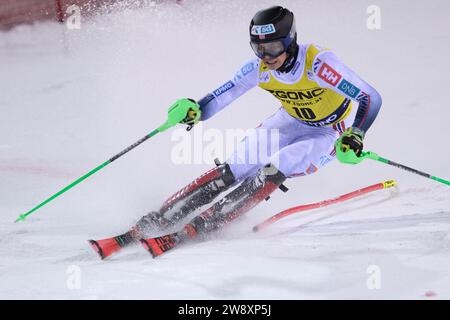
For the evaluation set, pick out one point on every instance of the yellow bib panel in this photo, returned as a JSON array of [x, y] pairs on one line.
[[305, 99]]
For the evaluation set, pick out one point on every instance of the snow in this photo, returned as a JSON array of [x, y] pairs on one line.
[[71, 99]]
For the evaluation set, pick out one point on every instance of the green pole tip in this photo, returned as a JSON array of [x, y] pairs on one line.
[[20, 218]]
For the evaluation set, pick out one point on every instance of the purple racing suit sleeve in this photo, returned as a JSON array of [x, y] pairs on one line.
[[244, 79], [331, 73]]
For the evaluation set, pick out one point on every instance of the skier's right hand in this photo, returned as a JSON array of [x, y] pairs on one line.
[[193, 114], [188, 108]]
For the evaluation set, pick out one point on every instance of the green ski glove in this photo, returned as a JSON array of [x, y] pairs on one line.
[[186, 111], [349, 146]]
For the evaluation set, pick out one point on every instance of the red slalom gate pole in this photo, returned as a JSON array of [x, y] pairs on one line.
[[342, 198]]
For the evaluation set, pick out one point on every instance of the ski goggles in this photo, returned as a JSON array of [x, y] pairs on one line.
[[271, 49]]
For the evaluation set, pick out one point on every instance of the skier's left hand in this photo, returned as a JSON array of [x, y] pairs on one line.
[[352, 139]]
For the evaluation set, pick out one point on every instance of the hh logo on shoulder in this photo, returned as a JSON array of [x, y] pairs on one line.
[[329, 75]]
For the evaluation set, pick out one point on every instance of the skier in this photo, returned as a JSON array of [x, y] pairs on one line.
[[315, 90]]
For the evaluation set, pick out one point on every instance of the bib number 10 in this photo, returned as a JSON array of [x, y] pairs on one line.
[[305, 113]]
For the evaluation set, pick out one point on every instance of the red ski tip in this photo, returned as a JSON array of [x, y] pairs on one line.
[[105, 247], [97, 248], [157, 246]]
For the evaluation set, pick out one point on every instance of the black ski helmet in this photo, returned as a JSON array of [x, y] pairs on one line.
[[272, 32]]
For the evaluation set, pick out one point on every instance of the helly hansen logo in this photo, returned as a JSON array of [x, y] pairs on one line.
[[329, 75]]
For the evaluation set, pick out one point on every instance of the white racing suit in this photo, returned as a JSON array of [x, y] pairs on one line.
[[316, 107]]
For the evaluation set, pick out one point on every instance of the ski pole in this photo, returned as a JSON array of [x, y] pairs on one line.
[[175, 115], [374, 156], [350, 157], [342, 198]]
